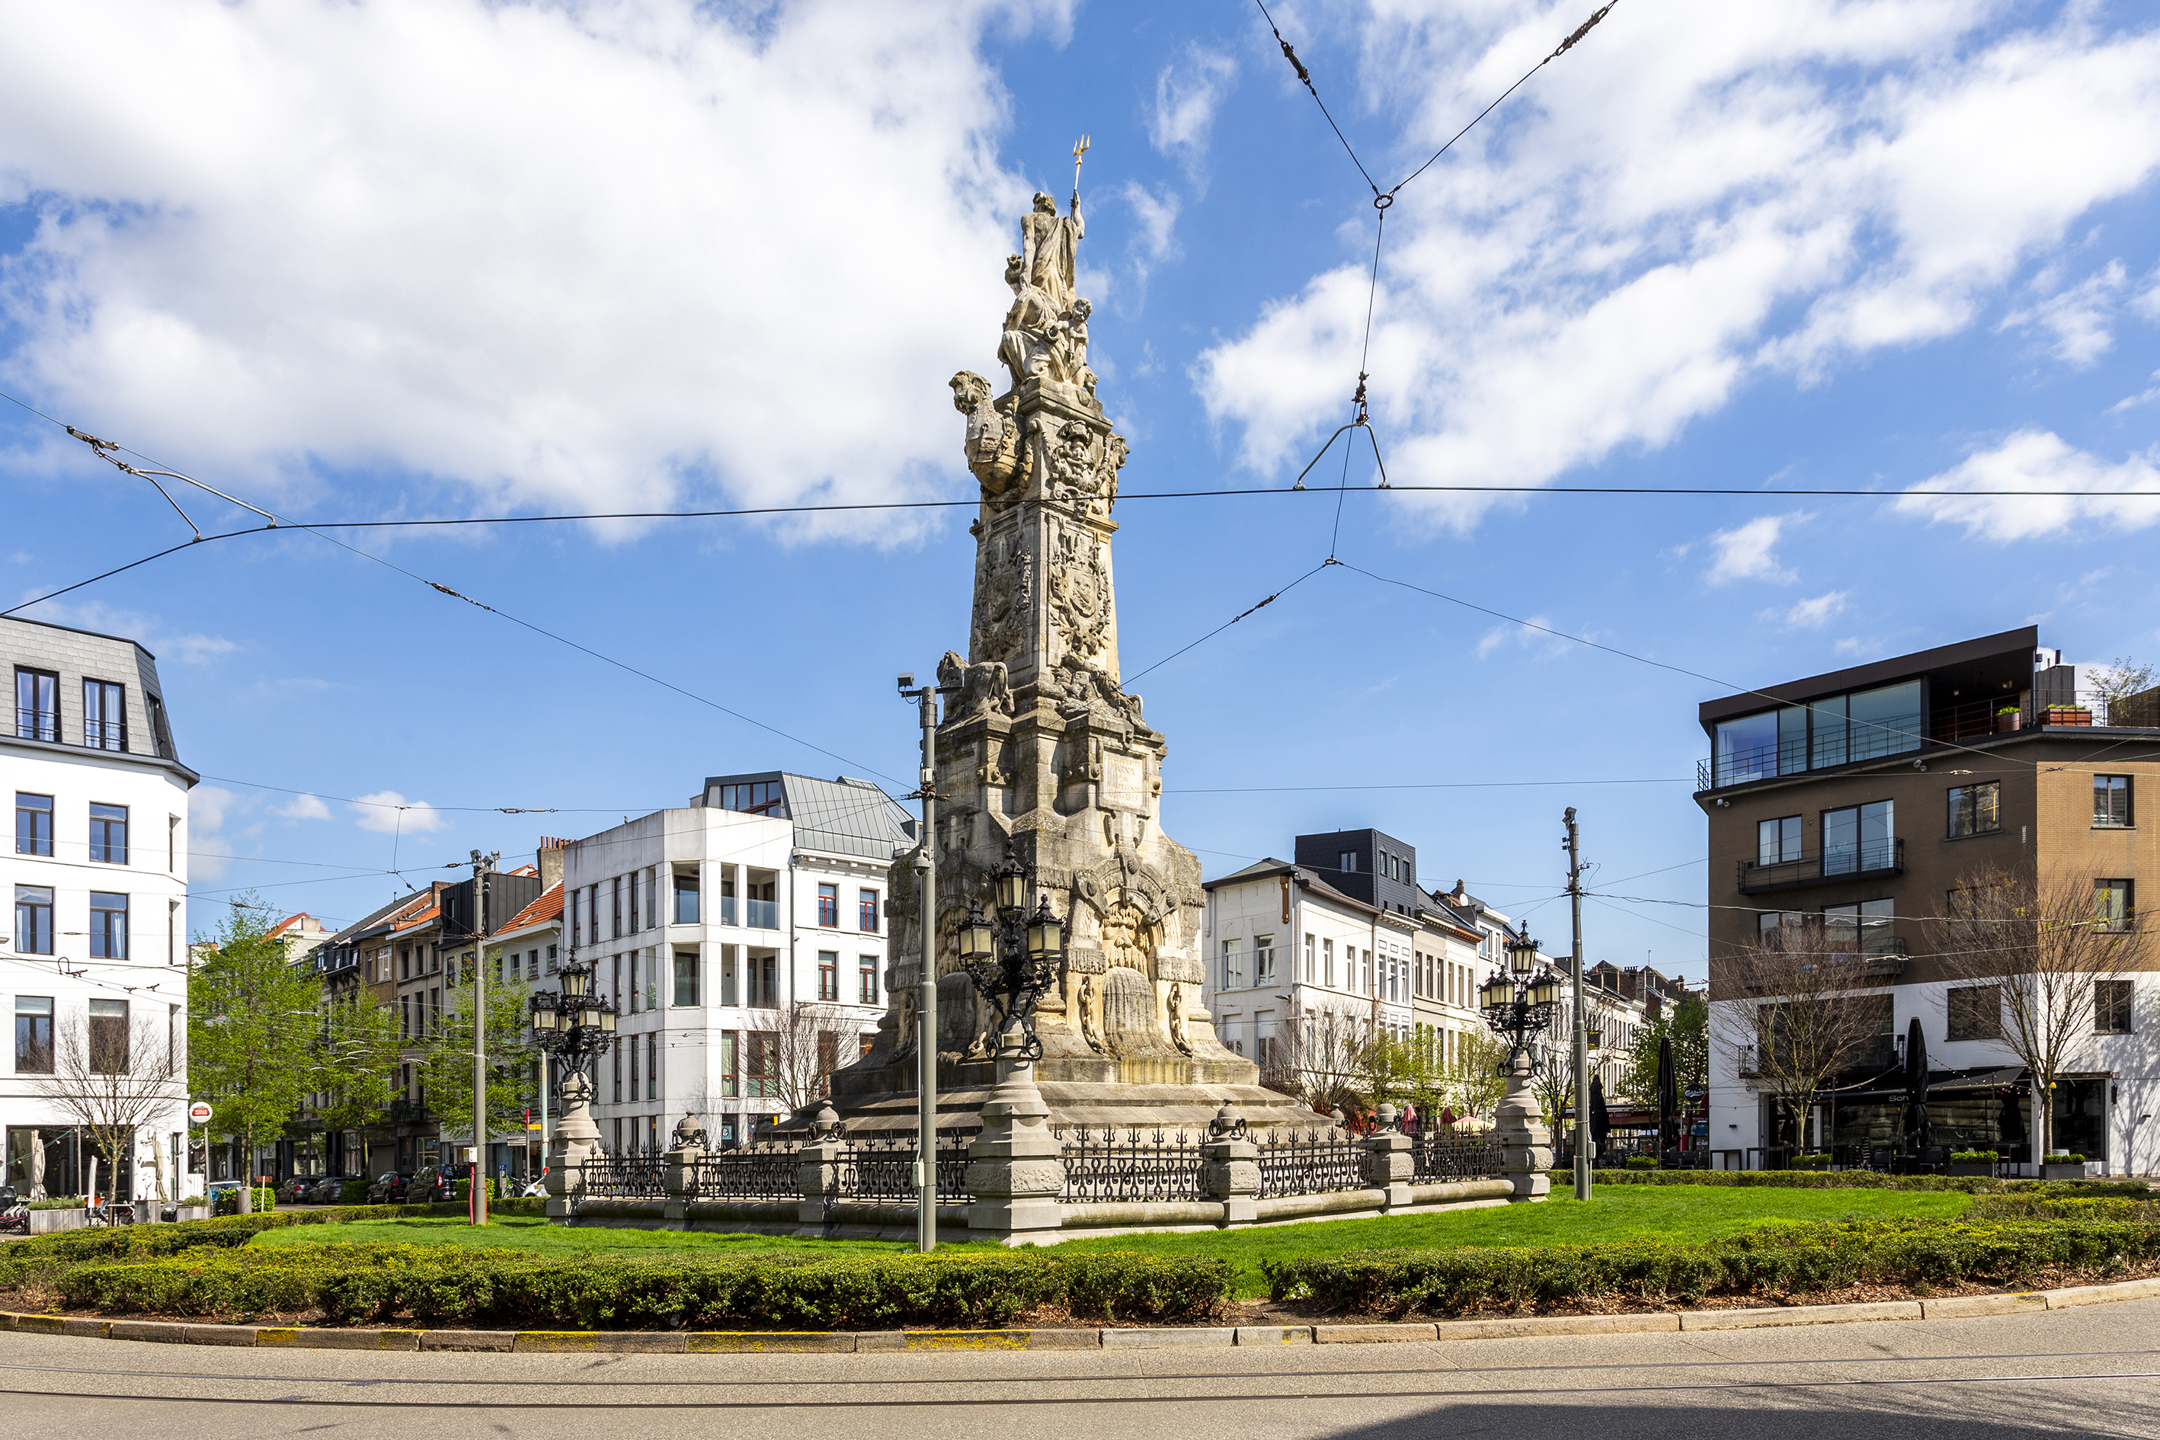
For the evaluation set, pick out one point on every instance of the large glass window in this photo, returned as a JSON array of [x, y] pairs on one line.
[[1884, 721], [109, 1037], [766, 797], [828, 975], [1857, 838], [1263, 960], [866, 911], [33, 919], [828, 906], [1975, 809], [108, 834], [1975, 1012], [2111, 801], [33, 824], [2111, 1007], [866, 979], [1777, 841], [1233, 964], [33, 1035], [37, 705], [2114, 905], [1747, 748], [104, 715], [108, 926], [686, 977], [686, 899], [1862, 929]]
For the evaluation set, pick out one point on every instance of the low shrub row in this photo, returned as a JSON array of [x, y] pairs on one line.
[[437, 1286], [1770, 1263], [2034, 1206]]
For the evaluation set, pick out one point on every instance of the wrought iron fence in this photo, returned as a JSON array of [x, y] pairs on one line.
[[882, 1167], [1113, 1165], [1436, 1158], [1310, 1162], [632, 1176], [757, 1172]]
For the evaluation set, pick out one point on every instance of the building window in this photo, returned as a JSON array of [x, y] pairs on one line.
[[1975, 809], [761, 1069], [866, 916], [105, 715], [1862, 929], [108, 1037], [577, 919], [633, 878], [1263, 959], [615, 930], [108, 834], [1233, 964], [33, 1035], [828, 975], [108, 926], [1975, 1012], [2111, 1007], [652, 896], [828, 906], [686, 977], [866, 980], [553, 959], [686, 899], [1777, 841], [730, 1075], [1327, 964], [632, 1047], [172, 844], [766, 797], [1858, 838], [1310, 974], [2111, 802], [1346, 862], [33, 824], [652, 1077], [37, 705], [2114, 906]]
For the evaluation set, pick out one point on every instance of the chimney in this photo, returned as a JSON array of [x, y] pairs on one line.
[[551, 862]]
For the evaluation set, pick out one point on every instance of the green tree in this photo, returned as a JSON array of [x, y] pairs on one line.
[[251, 1031], [1407, 1069], [1688, 1025], [361, 1050], [446, 1058], [1475, 1084]]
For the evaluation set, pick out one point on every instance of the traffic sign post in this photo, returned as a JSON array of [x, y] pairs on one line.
[[198, 1113]]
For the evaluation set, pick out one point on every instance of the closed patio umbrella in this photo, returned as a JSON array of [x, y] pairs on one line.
[[37, 1165], [1668, 1099], [1917, 1136], [2012, 1123], [1600, 1119]]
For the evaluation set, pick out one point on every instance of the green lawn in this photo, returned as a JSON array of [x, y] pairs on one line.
[[1616, 1212], [1619, 1212]]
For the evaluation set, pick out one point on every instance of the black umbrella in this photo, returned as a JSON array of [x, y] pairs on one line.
[[1668, 1098], [1600, 1120], [1917, 1134], [2013, 1120]]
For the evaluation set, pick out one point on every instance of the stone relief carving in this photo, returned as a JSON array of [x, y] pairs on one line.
[[1003, 596], [1178, 1037], [1025, 345], [1129, 938], [1088, 1032], [1080, 598], [1069, 346], [993, 439], [983, 687]]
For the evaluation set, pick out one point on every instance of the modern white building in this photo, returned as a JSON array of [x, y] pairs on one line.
[[93, 963], [742, 939]]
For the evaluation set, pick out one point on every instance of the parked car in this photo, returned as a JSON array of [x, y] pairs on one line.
[[390, 1189], [330, 1190], [437, 1184], [296, 1190]]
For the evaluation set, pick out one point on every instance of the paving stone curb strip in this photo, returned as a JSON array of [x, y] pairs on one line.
[[868, 1342]]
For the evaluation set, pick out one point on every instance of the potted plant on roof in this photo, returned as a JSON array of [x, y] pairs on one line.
[[1974, 1162], [2068, 715], [2008, 718]]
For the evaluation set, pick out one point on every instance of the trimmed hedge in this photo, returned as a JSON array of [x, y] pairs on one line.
[[1771, 1262], [510, 1289]]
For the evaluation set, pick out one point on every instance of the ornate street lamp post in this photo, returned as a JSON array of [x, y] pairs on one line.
[[575, 1027], [1520, 1005], [1012, 956]]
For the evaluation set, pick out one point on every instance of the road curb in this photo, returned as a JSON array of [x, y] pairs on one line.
[[844, 1342]]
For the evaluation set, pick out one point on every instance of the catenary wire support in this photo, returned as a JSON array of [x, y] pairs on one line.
[[104, 451]]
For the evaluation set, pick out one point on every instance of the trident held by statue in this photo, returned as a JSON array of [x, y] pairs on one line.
[[1079, 149]]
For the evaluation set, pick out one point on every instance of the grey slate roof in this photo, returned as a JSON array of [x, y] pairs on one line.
[[845, 816]]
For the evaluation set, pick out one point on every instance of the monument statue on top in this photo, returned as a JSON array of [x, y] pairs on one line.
[[1041, 749]]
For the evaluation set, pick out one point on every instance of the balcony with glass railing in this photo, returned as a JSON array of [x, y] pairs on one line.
[[1864, 860]]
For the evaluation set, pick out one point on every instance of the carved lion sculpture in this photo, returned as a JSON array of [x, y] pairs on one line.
[[984, 689], [993, 441]]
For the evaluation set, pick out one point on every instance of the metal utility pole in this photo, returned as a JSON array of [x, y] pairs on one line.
[[483, 867], [926, 981], [1582, 1016]]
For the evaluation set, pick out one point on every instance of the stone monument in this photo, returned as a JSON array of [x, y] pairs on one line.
[[1042, 750]]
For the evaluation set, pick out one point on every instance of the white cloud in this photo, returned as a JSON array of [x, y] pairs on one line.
[[2079, 317], [1698, 196], [209, 849], [2131, 402], [585, 254], [1810, 614], [1509, 633], [2039, 460], [305, 807], [388, 813], [1152, 241], [1187, 94], [1748, 551]]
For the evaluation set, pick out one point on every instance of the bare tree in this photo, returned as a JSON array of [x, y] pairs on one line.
[[810, 1042], [1794, 1008], [114, 1077], [2044, 945], [2126, 693], [1323, 1057]]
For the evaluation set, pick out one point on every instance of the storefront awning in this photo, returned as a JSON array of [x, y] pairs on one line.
[[1941, 1083]]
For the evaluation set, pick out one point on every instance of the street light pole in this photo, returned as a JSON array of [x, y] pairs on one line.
[[483, 868], [1582, 1016], [926, 978]]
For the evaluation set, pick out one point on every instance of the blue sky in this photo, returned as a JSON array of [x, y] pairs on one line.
[[405, 260]]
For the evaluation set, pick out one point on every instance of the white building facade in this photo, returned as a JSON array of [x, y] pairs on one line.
[[743, 940], [94, 957]]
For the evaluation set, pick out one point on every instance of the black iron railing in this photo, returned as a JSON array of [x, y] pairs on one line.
[[1111, 1165], [1310, 1162], [635, 1176], [757, 1172], [1842, 862], [1436, 1158], [882, 1167]]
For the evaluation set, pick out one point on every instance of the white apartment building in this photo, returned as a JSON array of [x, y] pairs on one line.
[[93, 964], [743, 940]]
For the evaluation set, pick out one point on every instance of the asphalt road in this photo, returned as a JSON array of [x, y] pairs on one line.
[[2082, 1372]]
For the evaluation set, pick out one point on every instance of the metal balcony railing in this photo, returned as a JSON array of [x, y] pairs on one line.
[[1844, 862]]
